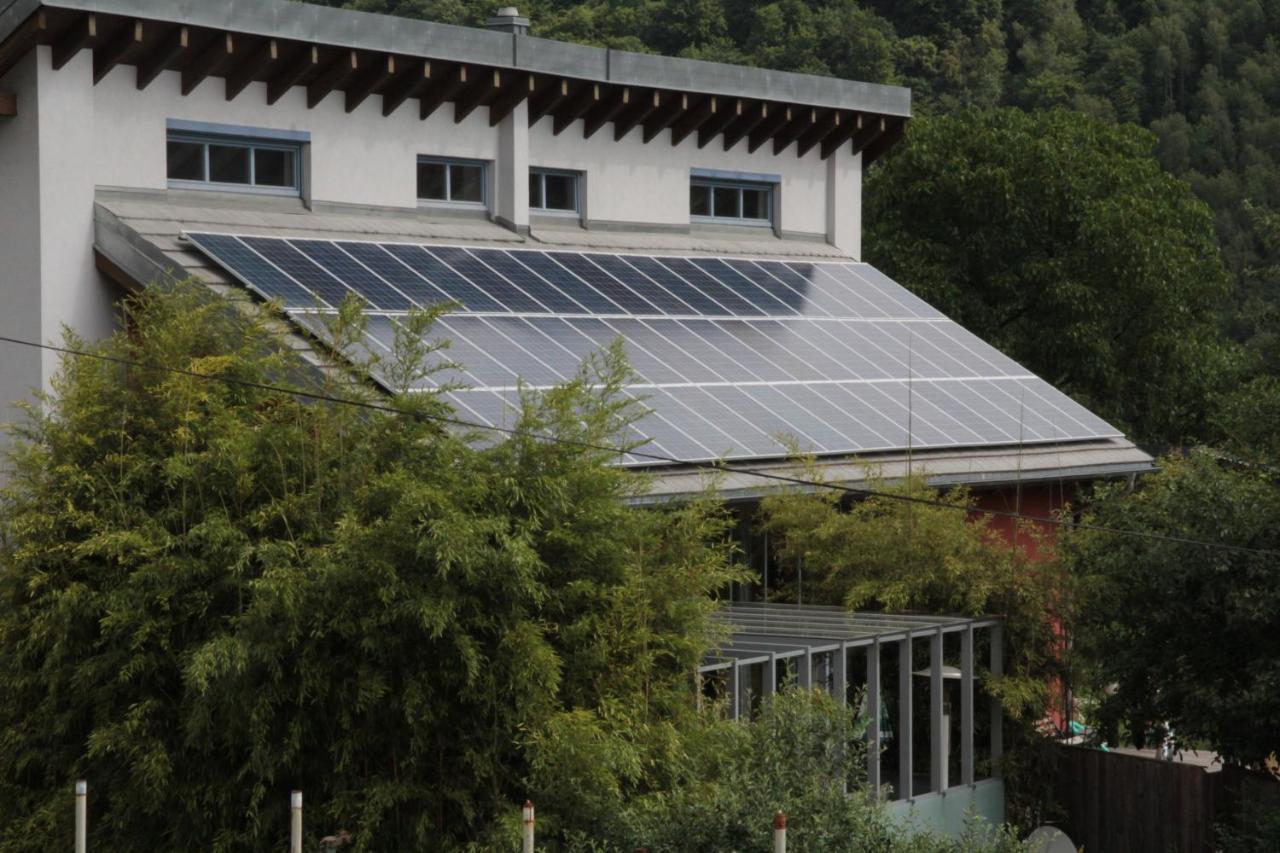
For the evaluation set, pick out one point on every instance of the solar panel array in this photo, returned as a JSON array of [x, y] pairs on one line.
[[734, 356]]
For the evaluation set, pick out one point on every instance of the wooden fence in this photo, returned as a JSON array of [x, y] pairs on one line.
[[1128, 804]]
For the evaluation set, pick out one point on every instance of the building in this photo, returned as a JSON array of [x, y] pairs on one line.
[[562, 195]]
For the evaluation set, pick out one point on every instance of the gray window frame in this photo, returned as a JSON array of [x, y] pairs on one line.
[[542, 173], [712, 184], [484, 165], [294, 149]]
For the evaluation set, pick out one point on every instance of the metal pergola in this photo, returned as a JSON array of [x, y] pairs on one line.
[[815, 642]]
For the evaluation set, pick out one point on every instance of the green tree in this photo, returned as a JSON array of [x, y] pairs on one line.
[[1178, 633], [1060, 240], [212, 593]]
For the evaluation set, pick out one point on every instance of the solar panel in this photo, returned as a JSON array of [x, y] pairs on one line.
[[734, 357]]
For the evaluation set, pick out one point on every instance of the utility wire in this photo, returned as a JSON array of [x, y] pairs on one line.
[[716, 467]]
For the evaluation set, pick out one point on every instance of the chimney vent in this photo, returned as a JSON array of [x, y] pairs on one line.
[[509, 20]]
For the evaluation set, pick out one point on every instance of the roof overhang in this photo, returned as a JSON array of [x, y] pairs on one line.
[[325, 50]]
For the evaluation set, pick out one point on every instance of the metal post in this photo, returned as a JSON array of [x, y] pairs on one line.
[[734, 686], [842, 674], [295, 829], [966, 706], [779, 832], [937, 756], [873, 711], [905, 772], [82, 816], [805, 675], [528, 826], [997, 712], [770, 675]]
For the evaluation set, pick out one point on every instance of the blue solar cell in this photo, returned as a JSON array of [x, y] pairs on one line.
[[300, 268], [825, 295], [468, 339], [443, 278], [254, 270], [547, 293], [662, 299], [700, 302], [380, 295], [734, 303], [422, 292], [592, 300], [779, 303], [470, 268], [617, 292]]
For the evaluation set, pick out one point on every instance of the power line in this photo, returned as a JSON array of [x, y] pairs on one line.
[[711, 466]]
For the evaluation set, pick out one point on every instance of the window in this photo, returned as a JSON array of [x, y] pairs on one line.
[[459, 182], [553, 191], [214, 161], [732, 202]]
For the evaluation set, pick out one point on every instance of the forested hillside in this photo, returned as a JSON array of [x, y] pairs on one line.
[[1202, 75]]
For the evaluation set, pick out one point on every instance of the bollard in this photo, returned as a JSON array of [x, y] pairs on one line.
[[82, 816], [528, 826], [295, 822], [779, 832]]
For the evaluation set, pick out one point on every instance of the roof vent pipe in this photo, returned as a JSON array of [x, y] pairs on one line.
[[508, 20]]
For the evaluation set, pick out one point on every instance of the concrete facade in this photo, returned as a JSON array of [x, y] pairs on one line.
[[72, 138]]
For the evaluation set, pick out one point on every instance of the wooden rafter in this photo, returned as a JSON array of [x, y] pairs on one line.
[[337, 72], [8, 104], [258, 62], [173, 45], [670, 110], [521, 87], [692, 119], [410, 82], [821, 129], [34, 30], [604, 112], [881, 143], [766, 129], [475, 94], [745, 123], [801, 120], [116, 49], [439, 92], [81, 34], [207, 61], [367, 81], [576, 107], [549, 96], [307, 59], [869, 131], [718, 122], [841, 135], [635, 114]]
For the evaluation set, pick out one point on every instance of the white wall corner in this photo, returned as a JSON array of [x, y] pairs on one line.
[[511, 199], [844, 202]]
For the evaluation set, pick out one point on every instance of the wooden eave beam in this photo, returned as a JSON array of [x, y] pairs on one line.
[[81, 34], [883, 142], [337, 72], [549, 96], [636, 113], [118, 48], [207, 61], [177, 42], [670, 110], [802, 119], [604, 113], [307, 59], [31, 32], [8, 104], [719, 122], [412, 80], [850, 126], [867, 134], [745, 123], [444, 89], [824, 127], [260, 61], [692, 119], [586, 98], [520, 88], [476, 94], [367, 82], [777, 119]]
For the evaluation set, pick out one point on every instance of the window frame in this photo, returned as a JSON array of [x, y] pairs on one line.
[[712, 184], [449, 203], [234, 140], [542, 173]]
